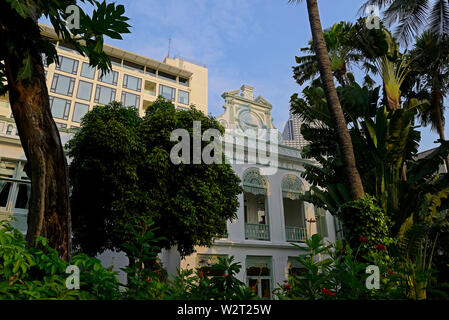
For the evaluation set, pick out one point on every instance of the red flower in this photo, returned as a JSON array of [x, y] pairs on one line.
[[148, 280], [225, 275], [327, 292], [380, 247], [202, 260], [287, 286], [390, 271], [201, 274], [363, 239]]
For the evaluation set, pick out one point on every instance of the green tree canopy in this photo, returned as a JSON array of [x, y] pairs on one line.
[[121, 171]]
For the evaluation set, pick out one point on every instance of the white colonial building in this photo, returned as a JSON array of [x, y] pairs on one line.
[[271, 216]]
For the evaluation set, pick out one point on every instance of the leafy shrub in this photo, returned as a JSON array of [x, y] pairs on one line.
[[336, 272], [364, 218], [38, 273]]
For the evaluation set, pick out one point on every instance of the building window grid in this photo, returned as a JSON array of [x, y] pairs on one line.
[[127, 85], [130, 96], [98, 94], [79, 111], [183, 97], [80, 94], [167, 92], [110, 77], [73, 69], [66, 111], [87, 71], [55, 82]]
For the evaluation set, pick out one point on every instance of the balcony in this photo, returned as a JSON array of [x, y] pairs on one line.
[[257, 231], [295, 234]]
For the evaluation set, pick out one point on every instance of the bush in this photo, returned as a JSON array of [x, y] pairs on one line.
[[38, 273], [364, 218], [334, 272]]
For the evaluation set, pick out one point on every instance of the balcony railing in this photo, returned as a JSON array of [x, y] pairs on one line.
[[295, 234], [257, 231]]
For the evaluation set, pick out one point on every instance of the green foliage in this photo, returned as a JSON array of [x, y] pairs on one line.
[[335, 272], [21, 16], [121, 172], [37, 273], [365, 218]]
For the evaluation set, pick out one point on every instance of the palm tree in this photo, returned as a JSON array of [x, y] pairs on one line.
[[344, 140], [413, 15], [430, 69], [341, 54], [348, 45]]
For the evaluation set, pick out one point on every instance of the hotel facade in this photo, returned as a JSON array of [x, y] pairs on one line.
[[271, 216]]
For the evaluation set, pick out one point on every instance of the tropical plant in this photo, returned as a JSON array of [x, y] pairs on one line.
[[22, 76], [28, 273], [430, 76], [413, 16], [336, 272], [348, 45]]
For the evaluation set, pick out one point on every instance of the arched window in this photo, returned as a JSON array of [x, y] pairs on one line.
[[9, 129], [294, 215], [255, 205]]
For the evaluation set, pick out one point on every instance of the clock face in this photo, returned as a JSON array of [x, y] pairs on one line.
[[249, 120]]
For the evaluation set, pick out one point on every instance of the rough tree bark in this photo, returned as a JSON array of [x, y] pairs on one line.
[[49, 210], [354, 181]]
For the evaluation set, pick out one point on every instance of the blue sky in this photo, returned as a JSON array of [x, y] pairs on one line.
[[250, 42]]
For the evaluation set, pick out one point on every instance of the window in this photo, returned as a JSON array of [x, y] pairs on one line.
[[7, 171], [166, 76], [167, 92], [9, 129], [110, 77], [67, 65], [79, 111], [60, 108], [258, 273], [62, 84], [104, 95], [130, 99], [15, 190], [183, 97], [132, 83], [205, 261], [255, 205], [321, 223], [182, 108], [84, 90], [87, 71], [294, 213], [184, 81]]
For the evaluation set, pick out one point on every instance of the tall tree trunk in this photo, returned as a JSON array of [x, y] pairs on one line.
[[436, 103], [344, 139], [49, 211]]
